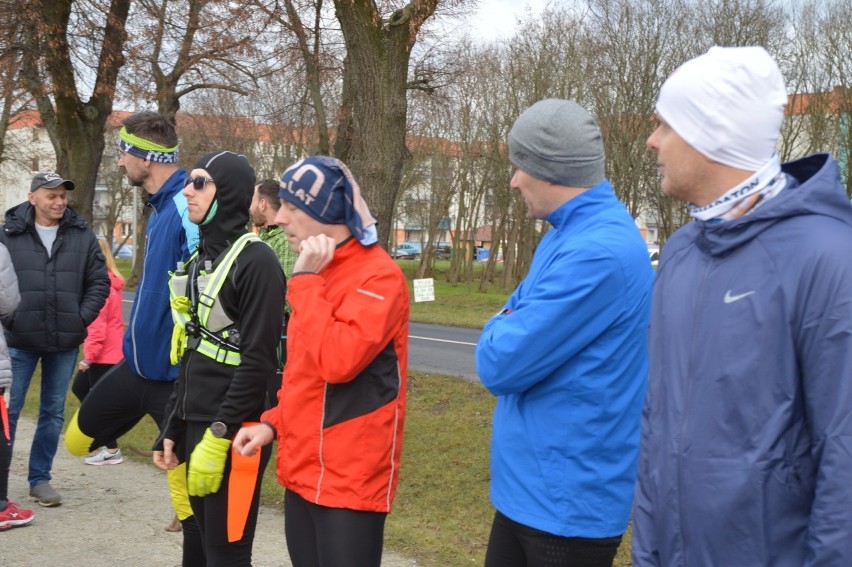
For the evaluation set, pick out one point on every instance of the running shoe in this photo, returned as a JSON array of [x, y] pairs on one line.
[[104, 457], [12, 516]]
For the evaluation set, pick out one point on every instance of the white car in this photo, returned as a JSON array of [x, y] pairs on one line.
[[404, 251], [654, 254]]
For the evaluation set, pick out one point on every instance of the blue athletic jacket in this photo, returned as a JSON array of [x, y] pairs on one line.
[[746, 453], [170, 236], [567, 359]]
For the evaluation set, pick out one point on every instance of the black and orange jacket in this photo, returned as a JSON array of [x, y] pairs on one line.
[[341, 406]]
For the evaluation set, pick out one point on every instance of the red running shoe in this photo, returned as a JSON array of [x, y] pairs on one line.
[[12, 516]]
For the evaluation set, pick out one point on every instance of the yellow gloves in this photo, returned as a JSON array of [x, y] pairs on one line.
[[207, 465]]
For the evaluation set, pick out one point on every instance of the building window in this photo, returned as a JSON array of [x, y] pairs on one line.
[[35, 164]]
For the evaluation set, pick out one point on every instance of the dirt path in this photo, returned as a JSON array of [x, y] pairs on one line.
[[115, 515]]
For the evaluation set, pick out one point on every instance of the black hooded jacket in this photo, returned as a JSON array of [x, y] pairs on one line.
[[252, 297], [61, 293]]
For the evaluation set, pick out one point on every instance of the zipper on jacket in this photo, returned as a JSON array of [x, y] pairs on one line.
[[136, 367], [686, 404], [186, 372]]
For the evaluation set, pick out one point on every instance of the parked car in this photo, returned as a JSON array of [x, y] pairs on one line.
[[654, 254], [443, 252], [124, 252], [404, 251]]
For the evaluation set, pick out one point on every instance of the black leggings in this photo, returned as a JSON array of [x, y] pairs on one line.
[[118, 401], [318, 536], [211, 511], [83, 383], [515, 545]]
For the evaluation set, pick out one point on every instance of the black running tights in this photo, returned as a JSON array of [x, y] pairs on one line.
[[318, 536], [515, 545]]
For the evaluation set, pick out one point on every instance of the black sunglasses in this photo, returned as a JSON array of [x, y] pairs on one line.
[[198, 183]]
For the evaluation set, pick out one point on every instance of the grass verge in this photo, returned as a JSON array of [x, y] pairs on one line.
[[442, 514]]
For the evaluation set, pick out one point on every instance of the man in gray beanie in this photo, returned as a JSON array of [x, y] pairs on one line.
[[566, 356], [746, 435]]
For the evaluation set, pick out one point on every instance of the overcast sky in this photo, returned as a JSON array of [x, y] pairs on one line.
[[498, 18]]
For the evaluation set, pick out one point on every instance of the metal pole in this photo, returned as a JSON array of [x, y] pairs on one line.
[[135, 221]]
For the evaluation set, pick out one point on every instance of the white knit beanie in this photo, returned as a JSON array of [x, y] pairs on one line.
[[728, 104]]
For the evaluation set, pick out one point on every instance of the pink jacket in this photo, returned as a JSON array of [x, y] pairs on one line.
[[103, 343]]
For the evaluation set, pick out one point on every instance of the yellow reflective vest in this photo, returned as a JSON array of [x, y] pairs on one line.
[[202, 324]]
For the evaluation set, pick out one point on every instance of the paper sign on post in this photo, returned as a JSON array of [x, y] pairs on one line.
[[424, 290]]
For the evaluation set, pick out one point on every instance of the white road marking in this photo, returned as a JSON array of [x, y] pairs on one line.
[[441, 340]]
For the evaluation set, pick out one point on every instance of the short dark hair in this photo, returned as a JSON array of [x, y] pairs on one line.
[[268, 189], [152, 126]]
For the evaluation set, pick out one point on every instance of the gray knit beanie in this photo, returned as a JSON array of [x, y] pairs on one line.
[[558, 141]]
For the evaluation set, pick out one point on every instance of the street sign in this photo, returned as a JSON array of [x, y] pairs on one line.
[[424, 290]]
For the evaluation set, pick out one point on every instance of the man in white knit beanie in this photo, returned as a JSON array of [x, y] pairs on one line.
[[746, 452]]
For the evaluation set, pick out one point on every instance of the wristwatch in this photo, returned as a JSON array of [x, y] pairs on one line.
[[218, 429]]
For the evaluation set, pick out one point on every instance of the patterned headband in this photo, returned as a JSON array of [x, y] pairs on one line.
[[145, 149]]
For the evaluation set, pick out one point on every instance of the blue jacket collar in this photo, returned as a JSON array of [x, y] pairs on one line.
[[170, 188], [584, 205]]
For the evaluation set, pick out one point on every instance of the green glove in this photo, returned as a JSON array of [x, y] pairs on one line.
[[207, 465]]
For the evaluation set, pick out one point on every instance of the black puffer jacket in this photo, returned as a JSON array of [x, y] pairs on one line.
[[61, 293]]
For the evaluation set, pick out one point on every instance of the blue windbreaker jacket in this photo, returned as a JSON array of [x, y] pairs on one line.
[[567, 358], [746, 453], [170, 236]]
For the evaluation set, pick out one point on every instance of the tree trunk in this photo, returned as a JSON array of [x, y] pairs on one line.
[[76, 128], [372, 122]]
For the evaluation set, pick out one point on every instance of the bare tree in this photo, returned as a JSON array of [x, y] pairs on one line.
[[52, 69], [819, 74], [738, 23], [372, 116], [183, 46], [525, 73], [115, 204], [318, 53], [13, 99]]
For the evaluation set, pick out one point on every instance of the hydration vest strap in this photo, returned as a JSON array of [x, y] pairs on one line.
[[210, 344], [219, 275]]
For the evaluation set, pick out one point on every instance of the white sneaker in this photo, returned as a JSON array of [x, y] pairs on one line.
[[104, 457]]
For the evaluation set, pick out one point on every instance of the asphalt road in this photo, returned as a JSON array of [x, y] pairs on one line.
[[443, 350], [431, 348]]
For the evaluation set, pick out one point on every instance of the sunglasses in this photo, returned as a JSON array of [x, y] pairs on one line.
[[198, 183]]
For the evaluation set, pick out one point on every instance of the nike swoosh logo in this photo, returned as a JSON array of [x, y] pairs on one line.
[[731, 298]]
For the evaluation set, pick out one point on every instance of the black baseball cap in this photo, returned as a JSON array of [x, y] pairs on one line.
[[50, 181]]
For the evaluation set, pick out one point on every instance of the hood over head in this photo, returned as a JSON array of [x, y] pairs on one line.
[[228, 215]]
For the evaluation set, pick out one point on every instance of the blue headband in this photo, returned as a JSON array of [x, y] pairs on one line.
[[148, 155], [324, 188]]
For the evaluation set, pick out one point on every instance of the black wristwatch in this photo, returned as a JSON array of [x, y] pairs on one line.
[[218, 429]]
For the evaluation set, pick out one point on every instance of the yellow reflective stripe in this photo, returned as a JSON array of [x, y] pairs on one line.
[[218, 353], [217, 278], [207, 300]]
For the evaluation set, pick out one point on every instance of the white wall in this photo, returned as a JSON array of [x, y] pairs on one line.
[[22, 145]]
